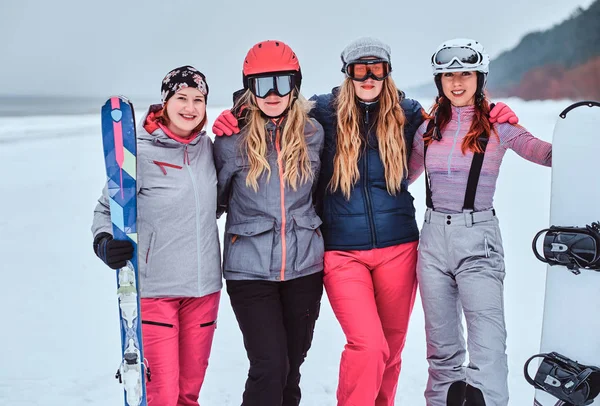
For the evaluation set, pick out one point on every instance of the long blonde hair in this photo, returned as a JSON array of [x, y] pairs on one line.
[[390, 137], [294, 152]]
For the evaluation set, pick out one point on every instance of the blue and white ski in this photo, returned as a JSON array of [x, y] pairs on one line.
[[119, 141]]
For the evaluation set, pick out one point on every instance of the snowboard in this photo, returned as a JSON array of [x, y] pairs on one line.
[[571, 325], [119, 142]]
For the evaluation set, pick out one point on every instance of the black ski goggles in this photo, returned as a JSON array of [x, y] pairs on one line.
[[377, 69], [466, 57], [281, 85]]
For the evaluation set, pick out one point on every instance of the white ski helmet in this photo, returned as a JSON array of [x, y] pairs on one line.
[[460, 55]]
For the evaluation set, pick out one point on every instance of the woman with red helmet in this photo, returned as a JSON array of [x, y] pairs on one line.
[[273, 253]]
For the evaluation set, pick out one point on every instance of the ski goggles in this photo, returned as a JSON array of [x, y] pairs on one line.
[[281, 85], [466, 57], [377, 69]]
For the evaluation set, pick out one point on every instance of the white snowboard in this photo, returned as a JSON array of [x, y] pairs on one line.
[[571, 322]]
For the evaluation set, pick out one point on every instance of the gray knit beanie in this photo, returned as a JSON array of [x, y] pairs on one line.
[[364, 47]]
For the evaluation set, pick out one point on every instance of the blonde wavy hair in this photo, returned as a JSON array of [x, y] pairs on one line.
[[390, 136], [294, 152]]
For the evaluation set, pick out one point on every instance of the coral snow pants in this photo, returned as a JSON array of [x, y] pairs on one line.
[[372, 294], [177, 338], [461, 269]]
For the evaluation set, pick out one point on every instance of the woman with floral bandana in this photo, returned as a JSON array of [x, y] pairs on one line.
[[178, 242]]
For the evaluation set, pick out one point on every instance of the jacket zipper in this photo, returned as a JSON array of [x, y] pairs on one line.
[[454, 143], [282, 202], [186, 162], [366, 189]]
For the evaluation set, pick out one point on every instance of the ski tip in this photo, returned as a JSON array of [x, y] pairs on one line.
[[122, 98], [589, 103]]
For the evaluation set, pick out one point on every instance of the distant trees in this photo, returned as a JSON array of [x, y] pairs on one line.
[[555, 52]]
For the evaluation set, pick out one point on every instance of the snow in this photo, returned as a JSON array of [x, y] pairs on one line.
[[59, 339]]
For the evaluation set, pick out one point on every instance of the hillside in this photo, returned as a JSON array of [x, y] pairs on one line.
[[561, 62]]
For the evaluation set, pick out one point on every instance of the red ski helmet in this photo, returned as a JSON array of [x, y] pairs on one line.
[[270, 57]]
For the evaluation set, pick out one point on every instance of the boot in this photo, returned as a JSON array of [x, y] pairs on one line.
[[456, 394], [473, 397]]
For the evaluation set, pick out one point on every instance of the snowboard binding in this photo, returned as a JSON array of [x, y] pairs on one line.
[[573, 247], [573, 383]]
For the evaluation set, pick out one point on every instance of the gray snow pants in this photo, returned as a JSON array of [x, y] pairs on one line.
[[461, 269]]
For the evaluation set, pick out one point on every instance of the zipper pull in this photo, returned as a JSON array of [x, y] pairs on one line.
[[186, 157], [486, 247]]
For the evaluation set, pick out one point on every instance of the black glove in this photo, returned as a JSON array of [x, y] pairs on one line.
[[114, 253]]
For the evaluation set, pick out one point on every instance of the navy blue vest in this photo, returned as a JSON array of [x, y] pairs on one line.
[[371, 218]]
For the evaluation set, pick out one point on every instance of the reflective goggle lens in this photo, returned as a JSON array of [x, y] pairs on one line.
[[361, 71], [281, 85], [464, 55]]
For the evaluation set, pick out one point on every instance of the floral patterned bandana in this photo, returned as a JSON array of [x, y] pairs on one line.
[[182, 77]]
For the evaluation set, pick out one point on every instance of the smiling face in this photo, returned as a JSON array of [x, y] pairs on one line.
[[369, 90], [186, 110], [273, 105], [460, 87]]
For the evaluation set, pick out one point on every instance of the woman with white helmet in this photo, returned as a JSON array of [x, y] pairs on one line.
[[461, 260]]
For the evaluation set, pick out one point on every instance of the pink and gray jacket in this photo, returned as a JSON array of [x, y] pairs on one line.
[[448, 168], [178, 242]]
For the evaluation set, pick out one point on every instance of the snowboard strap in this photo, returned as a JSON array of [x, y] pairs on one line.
[[428, 200], [565, 379], [573, 247], [474, 172]]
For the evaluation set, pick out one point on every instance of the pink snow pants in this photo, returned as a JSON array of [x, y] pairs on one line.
[[177, 335], [372, 294]]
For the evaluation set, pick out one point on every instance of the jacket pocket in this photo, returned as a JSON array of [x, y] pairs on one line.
[[146, 249], [315, 163], [312, 314], [242, 162], [309, 241], [250, 246]]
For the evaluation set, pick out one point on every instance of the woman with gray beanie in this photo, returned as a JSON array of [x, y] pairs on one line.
[[369, 224]]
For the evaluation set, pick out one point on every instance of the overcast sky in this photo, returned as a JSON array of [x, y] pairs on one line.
[[99, 48]]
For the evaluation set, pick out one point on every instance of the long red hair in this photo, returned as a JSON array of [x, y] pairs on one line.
[[480, 124]]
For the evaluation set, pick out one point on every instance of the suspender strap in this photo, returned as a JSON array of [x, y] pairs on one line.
[[474, 172], [428, 200]]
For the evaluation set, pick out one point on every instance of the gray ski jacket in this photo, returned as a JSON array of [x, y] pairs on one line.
[[272, 234], [178, 240]]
